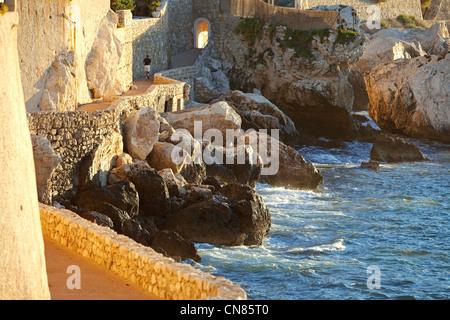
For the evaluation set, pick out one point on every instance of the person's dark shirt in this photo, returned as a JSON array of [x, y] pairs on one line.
[[147, 61]]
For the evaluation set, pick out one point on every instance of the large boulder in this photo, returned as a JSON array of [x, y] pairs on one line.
[[103, 60], [220, 116], [410, 97], [154, 198], [388, 45], [119, 201], [258, 113], [181, 153], [232, 164], [61, 86], [141, 131], [45, 163], [174, 245], [387, 148], [283, 165], [235, 216]]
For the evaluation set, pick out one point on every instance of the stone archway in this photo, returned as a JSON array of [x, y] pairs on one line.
[[202, 32]]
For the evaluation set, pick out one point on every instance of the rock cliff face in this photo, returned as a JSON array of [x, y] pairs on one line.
[[389, 45], [304, 74], [410, 97]]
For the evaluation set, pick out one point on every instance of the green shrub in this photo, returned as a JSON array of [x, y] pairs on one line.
[[409, 22], [346, 36], [122, 5], [250, 28]]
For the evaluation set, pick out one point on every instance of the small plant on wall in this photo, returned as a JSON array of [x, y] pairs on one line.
[[122, 5], [154, 5], [3, 9]]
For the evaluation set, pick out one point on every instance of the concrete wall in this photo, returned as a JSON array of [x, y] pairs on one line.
[[23, 273], [389, 10], [138, 264]]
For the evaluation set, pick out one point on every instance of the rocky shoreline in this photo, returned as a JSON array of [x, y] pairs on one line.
[[180, 182]]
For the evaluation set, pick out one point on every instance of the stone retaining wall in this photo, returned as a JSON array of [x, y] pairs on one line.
[[138, 264], [86, 142]]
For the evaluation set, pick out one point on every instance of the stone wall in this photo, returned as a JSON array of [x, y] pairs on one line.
[[137, 263], [389, 9], [87, 142], [74, 136]]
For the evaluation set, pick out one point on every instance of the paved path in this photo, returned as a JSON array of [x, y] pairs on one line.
[[184, 59], [141, 84], [97, 282]]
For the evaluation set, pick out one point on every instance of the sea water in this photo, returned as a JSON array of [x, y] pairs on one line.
[[362, 235]]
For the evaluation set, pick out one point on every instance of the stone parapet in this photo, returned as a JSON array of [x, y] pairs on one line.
[[138, 264]]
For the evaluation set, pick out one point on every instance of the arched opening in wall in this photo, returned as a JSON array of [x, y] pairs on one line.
[[202, 29]]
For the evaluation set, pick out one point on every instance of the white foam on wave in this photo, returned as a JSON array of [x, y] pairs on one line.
[[337, 245]]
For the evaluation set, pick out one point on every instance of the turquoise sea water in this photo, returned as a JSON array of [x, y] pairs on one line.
[[322, 243]]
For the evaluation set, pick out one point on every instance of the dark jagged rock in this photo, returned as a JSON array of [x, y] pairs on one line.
[[236, 215], [174, 245], [388, 148], [154, 199]]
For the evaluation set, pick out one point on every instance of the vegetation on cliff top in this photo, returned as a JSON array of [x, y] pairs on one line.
[[402, 22], [299, 40]]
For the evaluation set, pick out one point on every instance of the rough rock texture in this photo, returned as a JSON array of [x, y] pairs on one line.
[[94, 169], [387, 148], [287, 168], [103, 60], [312, 90], [210, 84], [154, 198], [181, 153], [219, 115], [237, 216], [257, 113], [174, 245], [45, 163], [411, 97], [141, 130], [60, 88], [119, 201], [388, 45], [232, 164]]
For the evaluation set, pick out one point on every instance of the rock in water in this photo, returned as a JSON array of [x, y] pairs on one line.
[[141, 130], [283, 166], [174, 245], [392, 149]]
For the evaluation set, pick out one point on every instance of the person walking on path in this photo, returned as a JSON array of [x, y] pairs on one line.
[[147, 66]]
